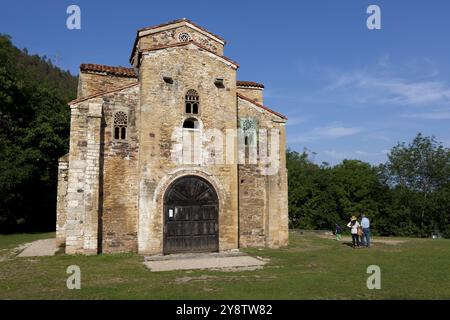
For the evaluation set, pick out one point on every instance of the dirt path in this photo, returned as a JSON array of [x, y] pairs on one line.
[[373, 240], [39, 248], [205, 261]]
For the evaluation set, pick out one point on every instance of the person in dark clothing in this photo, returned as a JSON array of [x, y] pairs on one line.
[[338, 232]]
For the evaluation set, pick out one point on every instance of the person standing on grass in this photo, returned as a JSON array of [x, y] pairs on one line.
[[338, 232], [365, 224], [354, 225]]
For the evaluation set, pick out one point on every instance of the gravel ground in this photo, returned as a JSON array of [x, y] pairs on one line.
[[205, 261], [45, 247]]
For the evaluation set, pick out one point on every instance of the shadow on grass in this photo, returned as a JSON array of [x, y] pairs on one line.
[[350, 244]]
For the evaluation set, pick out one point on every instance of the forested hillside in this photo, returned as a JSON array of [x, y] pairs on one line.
[[34, 131]]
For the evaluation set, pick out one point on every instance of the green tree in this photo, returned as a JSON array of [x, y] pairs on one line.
[[321, 196], [419, 175], [358, 190], [34, 131]]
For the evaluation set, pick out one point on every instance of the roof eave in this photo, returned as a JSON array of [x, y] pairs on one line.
[[181, 44], [262, 106], [133, 51], [99, 94]]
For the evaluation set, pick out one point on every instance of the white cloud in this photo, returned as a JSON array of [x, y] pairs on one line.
[[336, 154], [328, 132], [357, 154], [295, 120], [336, 131], [389, 89], [447, 143], [438, 115]]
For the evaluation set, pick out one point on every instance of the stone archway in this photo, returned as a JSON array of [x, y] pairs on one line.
[[191, 207]]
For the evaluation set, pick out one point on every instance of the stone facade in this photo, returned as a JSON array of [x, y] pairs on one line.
[[130, 129], [251, 90], [96, 81], [263, 218]]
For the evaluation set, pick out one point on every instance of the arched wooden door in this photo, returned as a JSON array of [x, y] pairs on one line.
[[191, 216]]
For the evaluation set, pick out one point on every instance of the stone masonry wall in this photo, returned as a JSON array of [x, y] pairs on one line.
[[77, 167], [255, 94], [111, 192], [168, 37], [263, 215], [61, 205], [162, 111], [252, 207], [120, 179], [90, 83], [277, 192], [92, 179], [83, 182]]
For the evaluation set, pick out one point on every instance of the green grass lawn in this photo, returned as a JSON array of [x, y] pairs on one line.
[[311, 267]]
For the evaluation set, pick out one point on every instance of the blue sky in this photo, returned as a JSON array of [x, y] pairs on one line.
[[349, 92]]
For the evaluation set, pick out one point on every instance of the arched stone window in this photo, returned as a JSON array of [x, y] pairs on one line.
[[192, 102], [191, 123], [191, 141], [120, 125]]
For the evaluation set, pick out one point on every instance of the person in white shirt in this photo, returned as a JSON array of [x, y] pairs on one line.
[[365, 224], [354, 226]]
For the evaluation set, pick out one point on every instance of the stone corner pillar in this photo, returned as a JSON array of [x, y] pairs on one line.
[[75, 185], [92, 179], [83, 179], [61, 205], [277, 221]]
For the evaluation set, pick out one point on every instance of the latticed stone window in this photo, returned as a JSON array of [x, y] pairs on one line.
[[249, 128], [184, 37], [192, 102], [120, 125]]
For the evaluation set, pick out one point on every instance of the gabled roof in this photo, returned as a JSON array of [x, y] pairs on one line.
[[116, 71], [181, 20], [129, 72], [181, 44], [249, 84], [261, 106], [167, 24], [99, 94]]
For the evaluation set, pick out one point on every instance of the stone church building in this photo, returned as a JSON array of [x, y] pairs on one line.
[[125, 186]]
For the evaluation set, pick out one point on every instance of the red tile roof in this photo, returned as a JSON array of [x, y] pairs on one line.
[[99, 94], [261, 106], [249, 84], [116, 71]]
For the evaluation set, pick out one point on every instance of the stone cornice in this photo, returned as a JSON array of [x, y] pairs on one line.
[[199, 46]]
